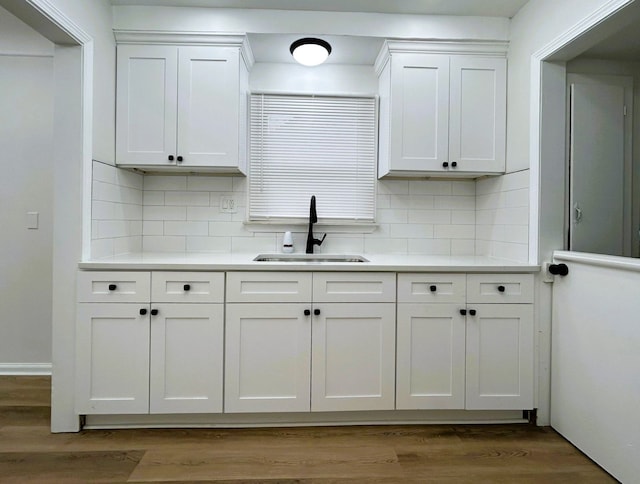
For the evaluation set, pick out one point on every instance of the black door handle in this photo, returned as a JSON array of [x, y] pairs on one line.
[[154, 312], [501, 288], [454, 164], [433, 288], [559, 269], [180, 159], [187, 287], [316, 312], [143, 311], [463, 312], [170, 157], [307, 312], [472, 312], [445, 164]]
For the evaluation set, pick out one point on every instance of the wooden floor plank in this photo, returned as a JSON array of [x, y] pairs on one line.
[[406, 454], [67, 467]]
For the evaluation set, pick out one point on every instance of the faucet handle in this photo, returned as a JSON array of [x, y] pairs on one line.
[[319, 242]]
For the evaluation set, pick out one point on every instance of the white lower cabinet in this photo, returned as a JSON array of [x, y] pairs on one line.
[[268, 358], [148, 357], [468, 354], [302, 352], [112, 358]]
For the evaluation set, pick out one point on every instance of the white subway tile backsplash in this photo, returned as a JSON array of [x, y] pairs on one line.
[[166, 183], [186, 199], [186, 228], [210, 183], [209, 244], [182, 213], [164, 243], [164, 213]]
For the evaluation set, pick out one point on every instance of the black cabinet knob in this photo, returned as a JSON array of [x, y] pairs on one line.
[[559, 269], [445, 164], [154, 312], [307, 312], [180, 159], [171, 158], [433, 288], [472, 312], [463, 312], [187, 287], [501, 288], [112, 287], [143, 311], [316, 312], [454, 164]]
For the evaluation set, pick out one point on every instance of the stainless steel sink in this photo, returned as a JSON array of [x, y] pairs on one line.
[[309, 258]]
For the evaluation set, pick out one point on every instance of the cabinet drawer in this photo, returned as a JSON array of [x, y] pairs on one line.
[[268, 287], [195, 287], [431, 288], [500, 288], [354, 287], [114, 286]]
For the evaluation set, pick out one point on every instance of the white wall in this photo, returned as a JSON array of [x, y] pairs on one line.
[[26, 131]]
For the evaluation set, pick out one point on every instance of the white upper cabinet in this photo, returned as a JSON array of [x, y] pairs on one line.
[[182, 106], [441, 114]]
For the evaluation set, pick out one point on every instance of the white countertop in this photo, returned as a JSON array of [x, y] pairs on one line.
[[245, 262]]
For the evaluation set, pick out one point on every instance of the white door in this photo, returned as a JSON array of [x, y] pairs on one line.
[[187, 355], [268, 358], [599, 172], [478, 110], [430, 371], [147, 86], [112, 358], [499, 357], [353, 357], [419, 112], [208, 106]]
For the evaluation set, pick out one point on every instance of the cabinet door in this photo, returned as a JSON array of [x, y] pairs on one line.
[[431, 357], [147, 78], [353, 357], [186, 358], [267, 358], [500, 357], [112, 358], [208, 106], [419, 112], [477, 136]]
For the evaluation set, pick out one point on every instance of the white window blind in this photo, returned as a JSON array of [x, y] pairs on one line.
[[312, 145]]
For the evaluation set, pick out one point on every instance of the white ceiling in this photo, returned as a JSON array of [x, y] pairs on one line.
[[486, 8], [624, 45]]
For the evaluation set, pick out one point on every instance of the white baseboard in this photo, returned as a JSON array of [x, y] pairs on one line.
[[25, 369]]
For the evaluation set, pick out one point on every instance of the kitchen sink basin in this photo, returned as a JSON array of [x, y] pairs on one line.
[[309, 258]]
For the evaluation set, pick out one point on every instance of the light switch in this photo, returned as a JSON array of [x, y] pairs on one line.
[[228, 204], [32, 220]]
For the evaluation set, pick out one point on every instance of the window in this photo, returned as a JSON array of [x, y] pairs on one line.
[[312, 145]]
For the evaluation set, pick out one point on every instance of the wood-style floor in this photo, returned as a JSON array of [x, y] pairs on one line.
[[29, 453]]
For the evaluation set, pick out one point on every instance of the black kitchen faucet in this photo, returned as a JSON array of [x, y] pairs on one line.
[[313, 218]]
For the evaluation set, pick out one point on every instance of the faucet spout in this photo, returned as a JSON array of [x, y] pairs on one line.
[[313, 218]]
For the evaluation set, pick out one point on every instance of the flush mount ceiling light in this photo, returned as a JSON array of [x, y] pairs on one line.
[[310, 51]]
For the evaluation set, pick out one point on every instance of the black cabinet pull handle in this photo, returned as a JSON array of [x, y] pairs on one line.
[[433, 288], [501, 288], [187, 287], [316, 312], [472, 312], [180, 159], [154, 312], [143, 311], [307, 312], [463, 312], [171, 158], [112, 287], [559, 269], [445, 164], [454, 164]]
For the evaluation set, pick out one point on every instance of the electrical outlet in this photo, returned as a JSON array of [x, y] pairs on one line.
[[228, 204]]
